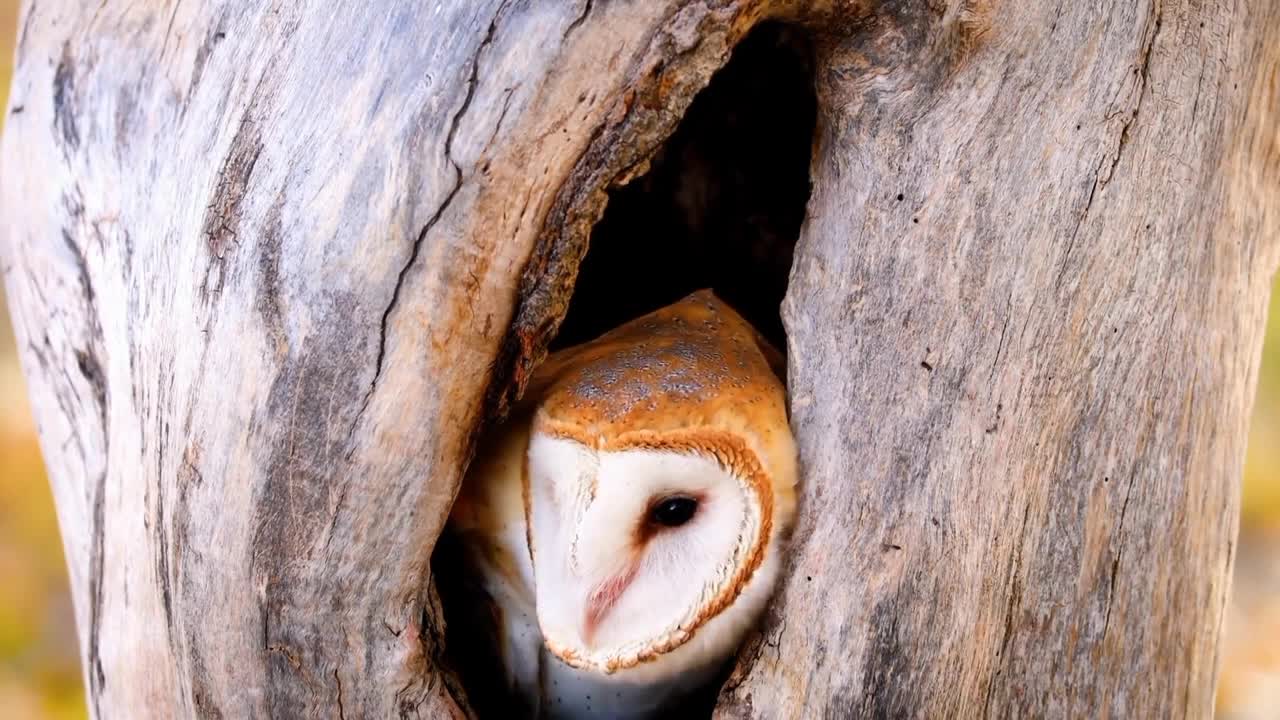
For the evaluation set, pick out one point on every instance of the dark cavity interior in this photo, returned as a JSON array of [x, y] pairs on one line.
[[721, 207]]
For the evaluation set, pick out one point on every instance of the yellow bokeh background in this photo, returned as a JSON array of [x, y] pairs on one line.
[[39, 655], [39, 662]]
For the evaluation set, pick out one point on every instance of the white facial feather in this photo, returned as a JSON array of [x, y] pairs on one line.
[[589, 512]]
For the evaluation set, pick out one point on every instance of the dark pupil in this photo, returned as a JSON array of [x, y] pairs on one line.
[[675, 511]]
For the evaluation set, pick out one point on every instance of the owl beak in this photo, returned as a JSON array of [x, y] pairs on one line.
[[603, 597]]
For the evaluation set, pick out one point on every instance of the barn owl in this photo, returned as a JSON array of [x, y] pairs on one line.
[[627, 521]]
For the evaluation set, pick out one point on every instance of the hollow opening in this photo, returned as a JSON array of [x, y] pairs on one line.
[[721, 204], [720, 207]]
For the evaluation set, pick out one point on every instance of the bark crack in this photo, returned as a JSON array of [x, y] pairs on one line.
[[1075, 231], [395, 297], [577, 22], [1015, 599], [1143, 70], [454, 122], [342, 712], [497, 126], [97, 678], [1000, 345], [224, 213], [1115, 564], [1101, 177], [91, 369], [337, 511]]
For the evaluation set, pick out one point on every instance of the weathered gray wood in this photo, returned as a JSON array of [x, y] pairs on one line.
[[1025, 320], [261, 258], [270, 264]]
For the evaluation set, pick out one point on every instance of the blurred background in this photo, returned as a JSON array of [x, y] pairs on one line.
[[39, 659], [39, 653]]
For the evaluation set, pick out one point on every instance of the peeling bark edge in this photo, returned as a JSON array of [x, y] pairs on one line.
[[665, 81], [667, 77]]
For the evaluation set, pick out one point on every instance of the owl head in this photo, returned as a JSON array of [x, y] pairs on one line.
[[660, 484]]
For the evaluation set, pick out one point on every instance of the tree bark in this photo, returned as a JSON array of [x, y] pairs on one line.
[[1025, 320], [272, 265]]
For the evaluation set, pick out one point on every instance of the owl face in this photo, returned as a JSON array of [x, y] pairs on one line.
[[635, 550]]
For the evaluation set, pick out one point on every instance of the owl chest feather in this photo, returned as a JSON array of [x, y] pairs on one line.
[[571, 694]]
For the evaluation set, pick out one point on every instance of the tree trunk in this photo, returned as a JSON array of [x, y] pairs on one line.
[[272, 265], [1025, 321]]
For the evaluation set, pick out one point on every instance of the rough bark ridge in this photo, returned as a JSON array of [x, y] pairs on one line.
[[1025, 319], [269, 262]]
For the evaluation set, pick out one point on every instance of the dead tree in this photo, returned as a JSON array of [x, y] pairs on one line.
[[273, 264]]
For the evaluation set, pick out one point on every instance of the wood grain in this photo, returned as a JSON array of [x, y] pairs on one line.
[[262, 259], [272, 264], [1025, 321]]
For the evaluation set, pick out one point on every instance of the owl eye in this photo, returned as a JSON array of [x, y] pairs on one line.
[[673, 511]]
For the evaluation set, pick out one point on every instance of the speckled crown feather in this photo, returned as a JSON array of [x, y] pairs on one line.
[[693, 375]]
